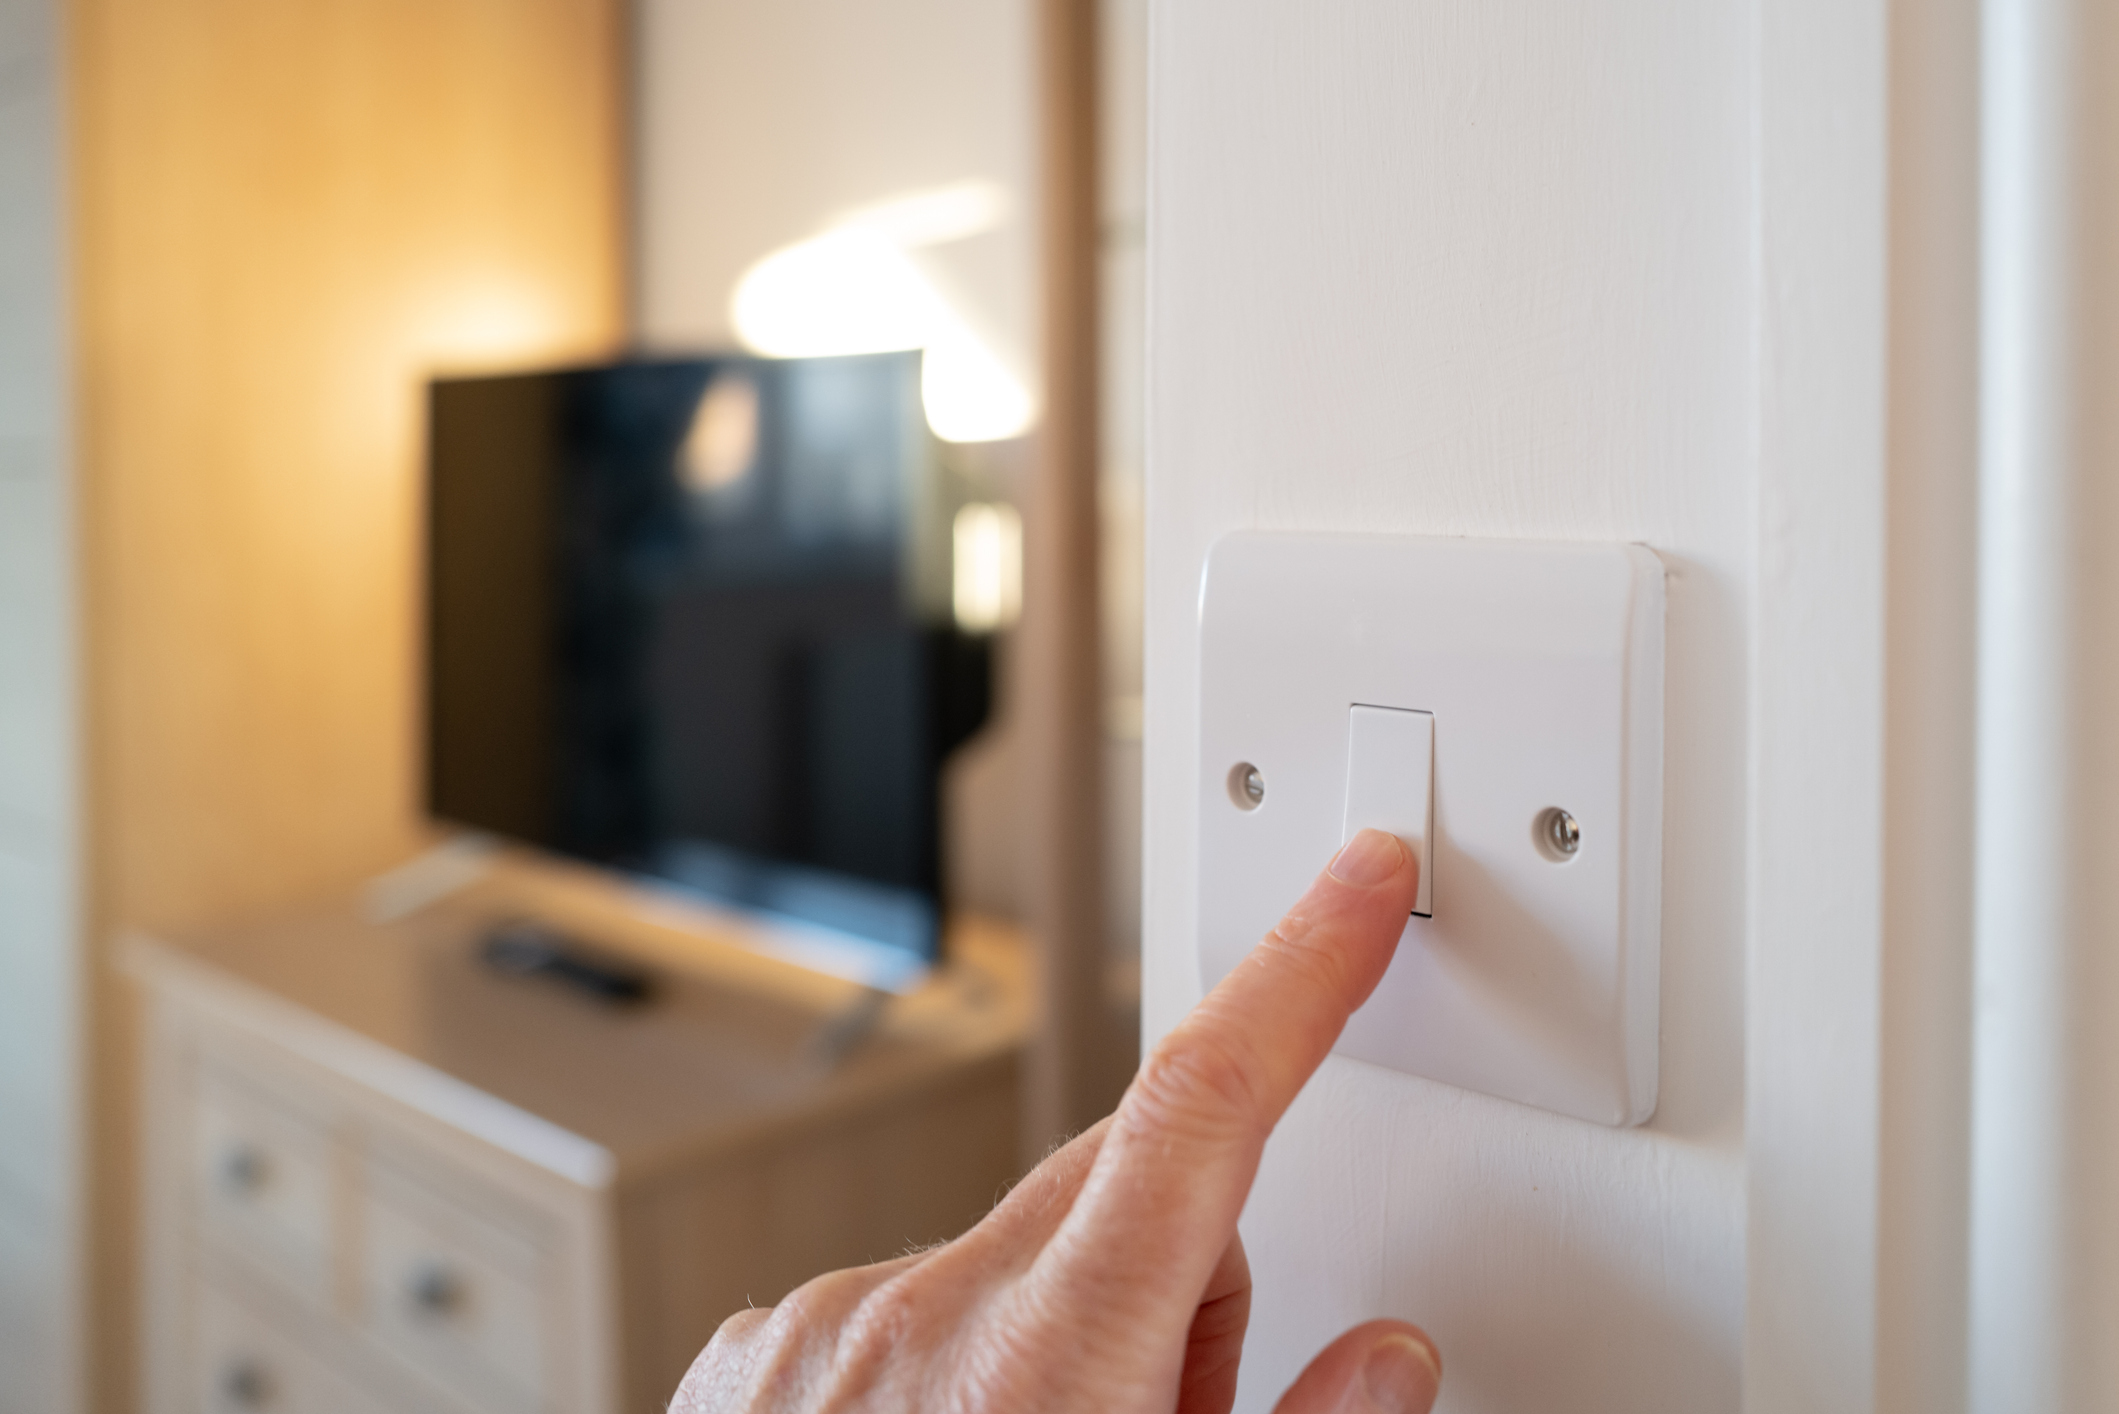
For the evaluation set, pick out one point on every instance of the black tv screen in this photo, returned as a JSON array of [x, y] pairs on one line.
[[691, 619]]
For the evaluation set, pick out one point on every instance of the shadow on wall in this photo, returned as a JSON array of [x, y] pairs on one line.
[[1453, 1237], [1505, 1354]]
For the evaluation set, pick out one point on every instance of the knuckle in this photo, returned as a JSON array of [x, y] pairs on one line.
[[835, 1337], [818, 1309], [882, 1322], [802, 1308], [1199, 1080], [880, 1335], [1295, 949], [720, 1370], [1293, 929], [739, 1327]]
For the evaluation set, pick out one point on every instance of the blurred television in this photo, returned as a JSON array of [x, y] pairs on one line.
[[691, 619]]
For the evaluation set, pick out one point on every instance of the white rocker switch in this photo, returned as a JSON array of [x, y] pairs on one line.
[[1390, 757]]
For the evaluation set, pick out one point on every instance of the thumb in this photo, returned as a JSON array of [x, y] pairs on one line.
[[1379, 1367]]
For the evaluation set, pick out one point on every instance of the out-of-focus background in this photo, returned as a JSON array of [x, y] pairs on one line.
[[449, 451], [570, 658]]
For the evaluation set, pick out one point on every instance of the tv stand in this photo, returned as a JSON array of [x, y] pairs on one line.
[[382, 1174]]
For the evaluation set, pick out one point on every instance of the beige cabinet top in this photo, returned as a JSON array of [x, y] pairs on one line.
[[731, 1045]]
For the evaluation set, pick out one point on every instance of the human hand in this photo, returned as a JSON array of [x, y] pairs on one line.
[[1112, 1278]]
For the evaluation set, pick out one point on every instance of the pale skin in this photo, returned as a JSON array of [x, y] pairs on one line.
[[1112, 1278]]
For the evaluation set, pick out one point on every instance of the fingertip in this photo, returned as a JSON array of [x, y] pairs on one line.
[[1370, 858], [1378, 1367], [1401, 1374]]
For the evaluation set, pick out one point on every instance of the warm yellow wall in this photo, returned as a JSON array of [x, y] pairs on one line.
[[287, 213]]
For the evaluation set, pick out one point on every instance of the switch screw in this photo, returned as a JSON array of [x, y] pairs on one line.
[[1247, 788], [1558, 835]]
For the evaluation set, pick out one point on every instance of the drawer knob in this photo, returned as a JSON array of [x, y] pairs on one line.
[[436, 1291], [243, 1169], [247, 1384]]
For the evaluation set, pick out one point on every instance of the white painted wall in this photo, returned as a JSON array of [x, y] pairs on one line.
[[1708, 277], [757, 124], [1481, 270], [40, 1175]]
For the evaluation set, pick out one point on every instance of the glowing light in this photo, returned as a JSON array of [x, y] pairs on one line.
[[844, 292], [968, 395], [934, 217], [854, 290], [723, 441], [988, 567]]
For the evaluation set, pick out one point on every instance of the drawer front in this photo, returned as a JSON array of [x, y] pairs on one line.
[[242, 1365], [454, 1293], [261, 1182]]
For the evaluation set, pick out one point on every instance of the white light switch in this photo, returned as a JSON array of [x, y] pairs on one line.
[[1390, 755], [1500, 703]]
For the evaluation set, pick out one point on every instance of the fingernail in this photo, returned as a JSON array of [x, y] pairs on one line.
[[1368, 858], [1400, 1376]]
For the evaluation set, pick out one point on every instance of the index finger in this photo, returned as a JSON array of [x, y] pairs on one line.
[[1162, 1200]]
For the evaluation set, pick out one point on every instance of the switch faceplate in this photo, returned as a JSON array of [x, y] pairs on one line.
[[1534, 672]]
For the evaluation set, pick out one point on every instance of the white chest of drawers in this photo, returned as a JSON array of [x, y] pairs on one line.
[[379, 1176]]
